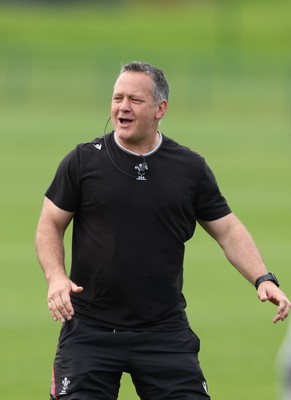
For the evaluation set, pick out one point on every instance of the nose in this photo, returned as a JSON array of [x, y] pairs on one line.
[[125, 105]]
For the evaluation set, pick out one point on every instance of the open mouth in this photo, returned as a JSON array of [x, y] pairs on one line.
[[125, 121]]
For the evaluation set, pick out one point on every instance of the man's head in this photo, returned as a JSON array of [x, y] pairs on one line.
[[160, 84], [138, 104]]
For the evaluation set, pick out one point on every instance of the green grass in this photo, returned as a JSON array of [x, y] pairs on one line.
[[229, 69]]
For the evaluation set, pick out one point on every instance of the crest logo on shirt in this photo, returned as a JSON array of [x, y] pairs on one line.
[[141, 169]]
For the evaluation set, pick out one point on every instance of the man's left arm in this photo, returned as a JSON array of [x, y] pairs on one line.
[[241, 251]]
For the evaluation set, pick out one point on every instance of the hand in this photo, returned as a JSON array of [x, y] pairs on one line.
[[59, 300], [269, 291]]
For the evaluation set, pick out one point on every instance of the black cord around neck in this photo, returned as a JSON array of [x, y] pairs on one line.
[[144, 163]]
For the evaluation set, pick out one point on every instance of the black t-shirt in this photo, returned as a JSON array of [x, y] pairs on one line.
[[133, 215]]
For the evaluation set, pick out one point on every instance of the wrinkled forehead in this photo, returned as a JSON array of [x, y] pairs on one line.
[[134, 82]]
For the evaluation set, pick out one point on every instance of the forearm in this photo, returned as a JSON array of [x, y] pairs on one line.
[[49, 241], [238, 246], [241, 251], [50, 250]]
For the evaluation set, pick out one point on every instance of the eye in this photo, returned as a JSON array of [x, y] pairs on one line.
[[137, 101], [117, 98]]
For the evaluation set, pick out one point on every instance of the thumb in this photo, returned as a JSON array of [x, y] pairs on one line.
[[76, 289], [262, 294]]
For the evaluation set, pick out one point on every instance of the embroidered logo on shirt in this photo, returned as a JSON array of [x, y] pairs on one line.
[[141, 168], [98, 146]]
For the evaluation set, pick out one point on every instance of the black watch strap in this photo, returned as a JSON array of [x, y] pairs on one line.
[[267, 277]]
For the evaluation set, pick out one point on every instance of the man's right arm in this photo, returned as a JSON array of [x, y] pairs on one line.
[[49, 243]]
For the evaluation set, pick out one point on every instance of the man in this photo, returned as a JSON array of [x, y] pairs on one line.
[[134, 196], [283, 364]]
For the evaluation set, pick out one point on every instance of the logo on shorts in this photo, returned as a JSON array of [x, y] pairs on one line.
[[66, 384]]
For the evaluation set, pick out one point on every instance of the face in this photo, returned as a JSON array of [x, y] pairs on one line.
[[134, 113]]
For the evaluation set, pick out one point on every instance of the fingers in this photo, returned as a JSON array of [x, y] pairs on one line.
[[269, 291], [60, 308], [59, 301], [283, 311]]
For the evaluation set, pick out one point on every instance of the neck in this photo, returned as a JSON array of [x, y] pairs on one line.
[[137, 147]]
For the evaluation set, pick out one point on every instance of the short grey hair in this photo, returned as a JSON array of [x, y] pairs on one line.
[[160, 86]]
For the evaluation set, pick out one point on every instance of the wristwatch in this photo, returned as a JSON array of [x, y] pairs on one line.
[[267, 277]]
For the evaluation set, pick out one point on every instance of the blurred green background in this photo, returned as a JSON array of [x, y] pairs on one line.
[[229, 68]]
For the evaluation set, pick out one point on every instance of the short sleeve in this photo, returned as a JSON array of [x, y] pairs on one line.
[[64, 191], [210, 203]]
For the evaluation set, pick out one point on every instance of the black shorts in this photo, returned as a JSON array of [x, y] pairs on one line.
[[90, 361]]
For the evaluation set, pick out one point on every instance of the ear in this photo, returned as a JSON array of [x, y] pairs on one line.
[[162, 108]]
